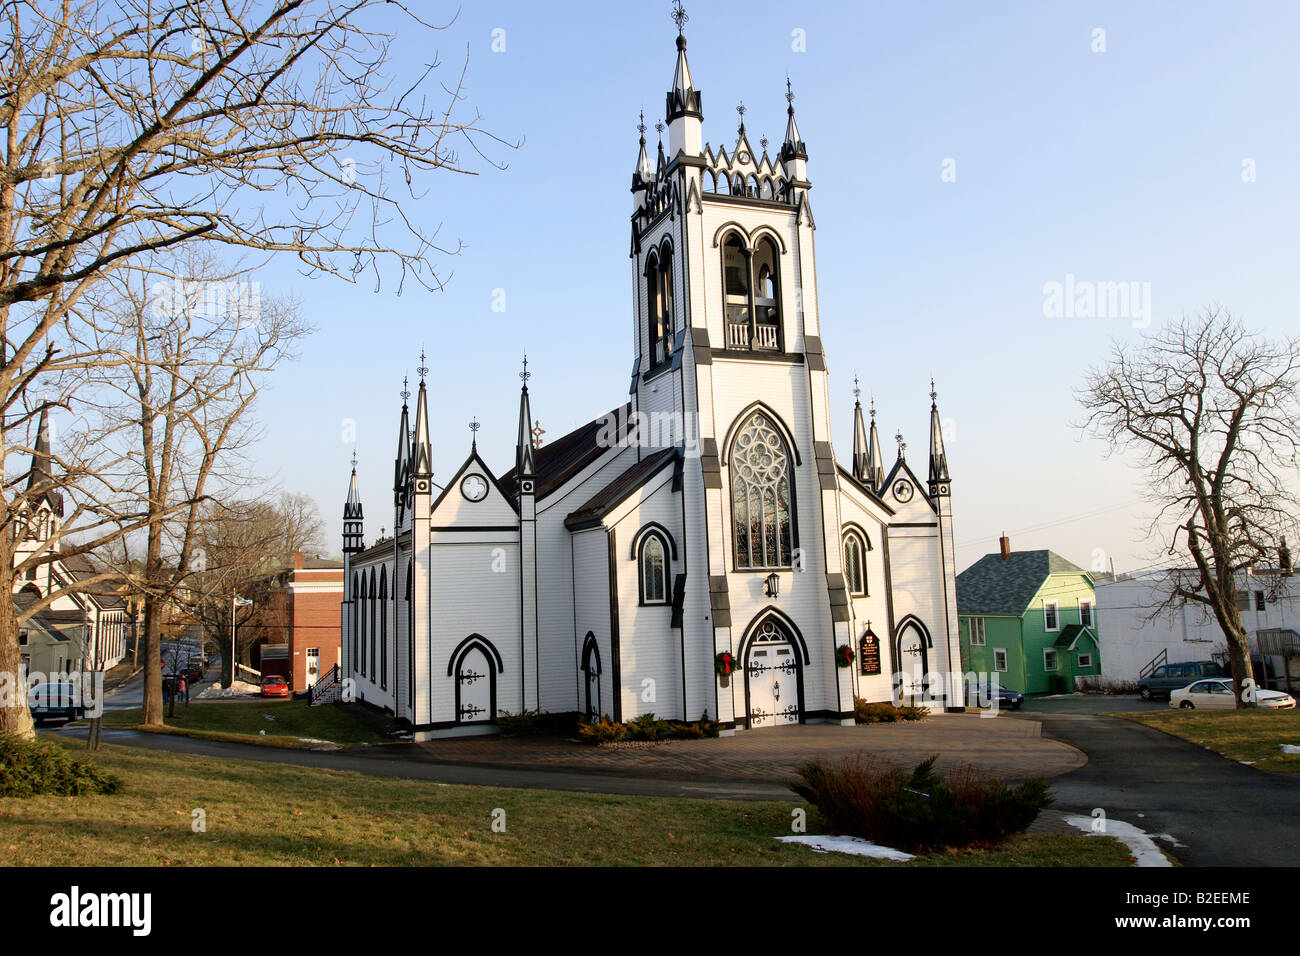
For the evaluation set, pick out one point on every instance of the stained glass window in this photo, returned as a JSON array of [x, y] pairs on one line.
[[760, 496]]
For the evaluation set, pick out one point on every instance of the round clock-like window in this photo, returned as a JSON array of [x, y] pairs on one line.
[[903, 490], [474, 487]]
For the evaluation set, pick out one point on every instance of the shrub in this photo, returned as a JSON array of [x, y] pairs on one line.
[[524, 722], [697, 731], [884, 712], [603, 731], [649, 727], [30, 768], [921, 811]]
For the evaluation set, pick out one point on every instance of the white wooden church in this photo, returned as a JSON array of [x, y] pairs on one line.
[[613, 570]]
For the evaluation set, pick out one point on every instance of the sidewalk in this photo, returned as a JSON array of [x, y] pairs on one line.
[[1008, 749]]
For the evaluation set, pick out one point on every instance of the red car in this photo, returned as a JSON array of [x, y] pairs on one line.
[[273, 685]]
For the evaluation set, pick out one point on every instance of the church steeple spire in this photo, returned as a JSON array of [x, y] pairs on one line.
[[860, 447], [421, 451], [525, 463], [793, 147], [353, 541], [41, 474], [939, 477], [683, 110], [402, 463]]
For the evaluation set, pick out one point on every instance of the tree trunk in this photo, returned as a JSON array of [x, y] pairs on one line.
[[14, 719], [1242, 670], [152, 715]]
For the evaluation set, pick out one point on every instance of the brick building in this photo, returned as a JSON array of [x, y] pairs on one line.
[[300, 608]]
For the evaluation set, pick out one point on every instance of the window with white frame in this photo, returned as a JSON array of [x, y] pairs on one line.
[[1051, 616], [855, 565], [977, 631], [1050, 660], [1085, 660], [1085, 612], [654, 570], [1000, 660]]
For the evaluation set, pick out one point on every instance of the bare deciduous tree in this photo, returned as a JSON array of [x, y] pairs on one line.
[[133, 127], [1210, 410]]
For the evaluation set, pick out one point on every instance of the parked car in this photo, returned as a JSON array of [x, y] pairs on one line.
[[1007, 698], [273, 685], [1170, 677], [1218, 695], [55, 700]]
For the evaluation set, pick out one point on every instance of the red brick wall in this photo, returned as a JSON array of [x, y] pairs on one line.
[[315, 623]]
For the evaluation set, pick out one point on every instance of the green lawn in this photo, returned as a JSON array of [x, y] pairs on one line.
[[268, 814], [1253, 736], [287, 723]]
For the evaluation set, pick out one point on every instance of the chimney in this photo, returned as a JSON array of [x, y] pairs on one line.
[[1004, 543], [297, 560]]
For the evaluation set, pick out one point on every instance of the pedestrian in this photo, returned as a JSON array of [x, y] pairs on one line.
[[183, 690]]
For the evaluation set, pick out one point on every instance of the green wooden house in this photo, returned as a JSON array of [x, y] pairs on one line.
[[1030, 619]]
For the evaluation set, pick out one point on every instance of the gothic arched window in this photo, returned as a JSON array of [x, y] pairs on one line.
[[752, 293], [374, 606], [654, 570], [735, 282], [855, 563], [361, 627], [761, 495], [383, 627]]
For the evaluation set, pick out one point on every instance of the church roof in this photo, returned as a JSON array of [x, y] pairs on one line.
[[617, 490], [559, 460], [995, 586]]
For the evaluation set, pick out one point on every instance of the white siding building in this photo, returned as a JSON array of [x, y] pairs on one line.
[[614, 569]]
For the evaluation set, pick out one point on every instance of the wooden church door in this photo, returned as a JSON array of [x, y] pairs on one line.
[[772, 679], [475, 685]]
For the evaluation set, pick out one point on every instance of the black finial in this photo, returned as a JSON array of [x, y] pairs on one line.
[[423, 370], [525, 375], [873, 408], [679, 16], [789, 93], [763, 142], [933, 394], [354, 460], [473, 433], [640, 127], [902, 445], [659, 128], [857, 392], [406, 391], [741, 111]]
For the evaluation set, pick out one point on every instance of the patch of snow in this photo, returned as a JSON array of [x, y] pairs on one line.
[[848, 844], [1290, 748], [1143, 848], [1170, 839], [262, 733]]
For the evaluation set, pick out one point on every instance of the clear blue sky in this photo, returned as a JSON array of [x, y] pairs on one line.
[[1117, 166]]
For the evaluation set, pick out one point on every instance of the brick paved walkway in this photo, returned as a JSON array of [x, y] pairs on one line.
[[1010, 749]]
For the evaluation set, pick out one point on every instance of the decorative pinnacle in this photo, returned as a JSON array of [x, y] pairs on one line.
[[659, 128], [423, 370], [354, 459], [640, 127], [763, 142], [857, 392], [679, 16], [873, 408], [406, 391], [933, 394], [525, 375], [473, 432], [741, 110], [789, 93], [902, 445]]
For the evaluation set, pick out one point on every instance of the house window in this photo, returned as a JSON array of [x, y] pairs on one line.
[[1000, 660], [1051, 620], [1259, 601], [760, 495], [654, 570], [855, 564], [1050, 662], [1085, 660], [977, 631], [22, 638], [1085, 612], [1243, 600]]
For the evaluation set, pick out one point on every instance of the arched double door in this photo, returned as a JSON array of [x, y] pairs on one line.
[[912, 655], [773, 675], [475, 665]]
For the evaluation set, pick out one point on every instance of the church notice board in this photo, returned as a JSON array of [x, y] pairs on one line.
[[869, 654]]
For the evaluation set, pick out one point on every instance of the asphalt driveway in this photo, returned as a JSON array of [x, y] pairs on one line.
[[1218, 812]]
